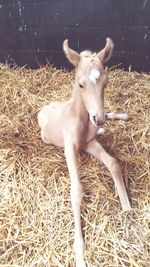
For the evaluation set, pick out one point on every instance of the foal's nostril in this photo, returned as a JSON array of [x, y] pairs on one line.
[[95, 119]]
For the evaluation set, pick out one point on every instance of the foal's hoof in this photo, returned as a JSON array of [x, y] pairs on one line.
[[126, 207], [100, 131], [123, 116], [81, 264]]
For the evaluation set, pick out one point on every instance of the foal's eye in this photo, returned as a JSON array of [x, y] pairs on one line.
[[80, 85]]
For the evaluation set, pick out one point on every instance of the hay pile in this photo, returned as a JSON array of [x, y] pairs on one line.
[[36, 223]]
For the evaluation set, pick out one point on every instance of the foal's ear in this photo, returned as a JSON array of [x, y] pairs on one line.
[[72, 55], [105, 54]]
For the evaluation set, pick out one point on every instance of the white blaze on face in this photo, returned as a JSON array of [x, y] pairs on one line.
[[94, 75]]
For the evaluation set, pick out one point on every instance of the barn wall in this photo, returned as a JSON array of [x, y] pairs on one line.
[[32, 31]]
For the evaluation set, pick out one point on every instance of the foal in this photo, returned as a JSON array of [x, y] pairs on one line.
[[74, 125]]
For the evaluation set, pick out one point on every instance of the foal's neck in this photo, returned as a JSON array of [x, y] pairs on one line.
[[78, 104]]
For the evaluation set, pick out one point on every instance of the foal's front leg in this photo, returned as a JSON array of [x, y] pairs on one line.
[[76, 198], [95, 149]]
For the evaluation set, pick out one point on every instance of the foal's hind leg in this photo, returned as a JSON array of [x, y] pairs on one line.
[[117, 116], [95, 149]]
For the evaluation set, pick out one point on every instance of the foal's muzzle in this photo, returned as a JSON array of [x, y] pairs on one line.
[[98, 120]]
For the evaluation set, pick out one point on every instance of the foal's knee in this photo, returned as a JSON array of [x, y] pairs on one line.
[[114, 164], [114, 167], [76, 195]]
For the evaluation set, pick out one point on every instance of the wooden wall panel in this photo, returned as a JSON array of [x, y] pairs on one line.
[[32, 31]]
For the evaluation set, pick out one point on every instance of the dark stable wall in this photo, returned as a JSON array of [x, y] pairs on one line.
[[32, 31]]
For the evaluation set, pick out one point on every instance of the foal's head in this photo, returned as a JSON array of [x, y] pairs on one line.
[[91, 78]]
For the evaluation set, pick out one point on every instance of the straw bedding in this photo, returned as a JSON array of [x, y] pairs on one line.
[[36, 222]]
